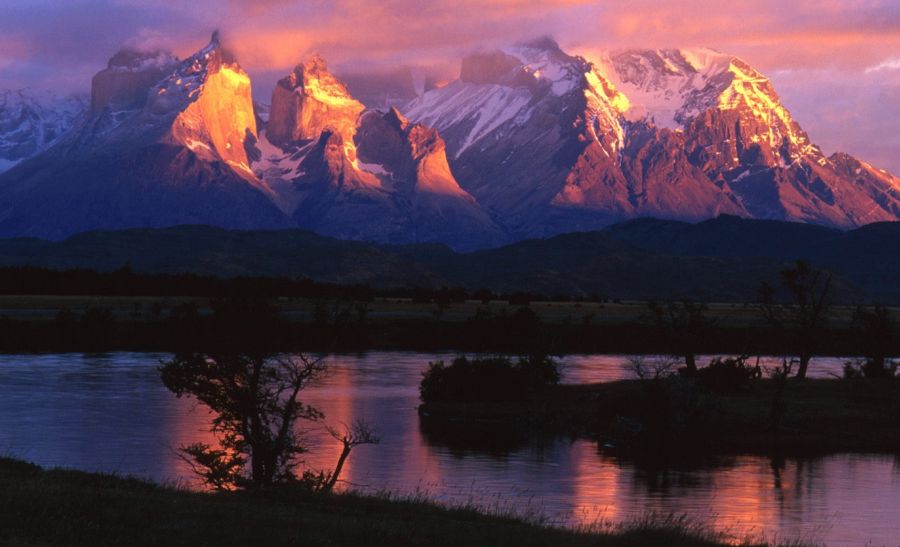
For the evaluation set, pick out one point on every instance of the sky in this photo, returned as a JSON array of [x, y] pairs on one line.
[[835, 63]]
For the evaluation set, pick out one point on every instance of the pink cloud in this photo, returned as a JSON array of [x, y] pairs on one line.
[[13, 49]]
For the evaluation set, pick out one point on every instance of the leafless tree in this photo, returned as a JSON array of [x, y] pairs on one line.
[[646, 368], [684, 323], [805, 317], [357, 434]]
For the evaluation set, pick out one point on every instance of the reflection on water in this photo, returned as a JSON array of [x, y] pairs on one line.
[[110, 412]]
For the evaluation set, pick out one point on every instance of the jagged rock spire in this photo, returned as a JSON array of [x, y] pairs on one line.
[[308, 101], [396, 119]]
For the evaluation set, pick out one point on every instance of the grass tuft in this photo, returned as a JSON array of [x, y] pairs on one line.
[[64, 507]]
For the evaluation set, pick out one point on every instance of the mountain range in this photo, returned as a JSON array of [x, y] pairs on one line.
[[529, 141], [31, 122]]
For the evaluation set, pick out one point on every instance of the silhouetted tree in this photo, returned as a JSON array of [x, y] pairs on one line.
[[805, 317], [728, 374], [255, 398], [650, 369], [684, 323], [877, 335], [352, 436]]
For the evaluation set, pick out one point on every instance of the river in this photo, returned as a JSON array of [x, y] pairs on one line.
[[110, 412]]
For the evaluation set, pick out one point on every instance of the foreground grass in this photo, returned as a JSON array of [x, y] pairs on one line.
[[60, 507], [821, 415]]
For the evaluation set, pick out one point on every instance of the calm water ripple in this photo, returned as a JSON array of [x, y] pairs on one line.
[[110, 412]]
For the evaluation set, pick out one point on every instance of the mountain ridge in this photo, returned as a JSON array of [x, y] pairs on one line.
[[529, 141], [639, 259], [176, 156]]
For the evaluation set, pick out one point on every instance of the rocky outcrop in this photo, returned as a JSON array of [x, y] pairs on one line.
[[553, 143], [307, 102], [180, 159], [128, 77], [213, 99], [411, 159], [414, 155], [356, 174], [529, 141]]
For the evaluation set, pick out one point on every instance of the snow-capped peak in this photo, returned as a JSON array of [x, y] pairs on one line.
[[31, 121], [667, 86], [502, 88], [706, 61], [670, 87], [206, 105], [545, 61], [183, 85]]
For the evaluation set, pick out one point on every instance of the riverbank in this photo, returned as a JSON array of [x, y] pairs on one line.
[[677, 416], [62, 507]]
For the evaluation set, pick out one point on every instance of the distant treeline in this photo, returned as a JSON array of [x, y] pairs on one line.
[[126, 282], [346, 326], [245, 311]]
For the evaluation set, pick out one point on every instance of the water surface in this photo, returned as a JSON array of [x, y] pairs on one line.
[[110, 412]]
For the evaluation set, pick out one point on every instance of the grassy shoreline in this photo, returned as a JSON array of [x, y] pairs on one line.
[[821, 416], [64, 507]]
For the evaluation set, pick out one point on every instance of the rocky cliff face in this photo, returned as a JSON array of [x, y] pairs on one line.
[[528, 141], [307, 102], [178, 159], [555, 143], [411, 160], [413, 155], [213, 100], [740, 135], [362, 175], [531, 136], [128, 76]]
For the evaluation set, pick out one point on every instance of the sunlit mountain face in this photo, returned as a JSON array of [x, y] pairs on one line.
[[527, 140], [152, 151]]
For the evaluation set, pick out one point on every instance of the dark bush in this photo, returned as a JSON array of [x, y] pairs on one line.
[[492, 379], [727, 375], [870, 369]]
